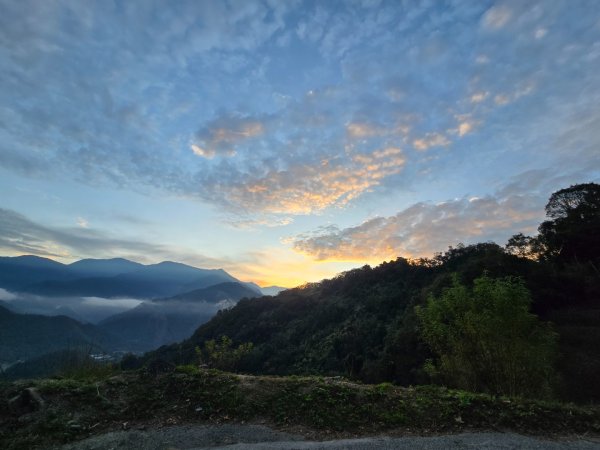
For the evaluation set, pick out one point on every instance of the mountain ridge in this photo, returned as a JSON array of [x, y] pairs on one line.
[[109, 278]]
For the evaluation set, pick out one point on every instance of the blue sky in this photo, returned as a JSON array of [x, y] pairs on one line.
[[286, 141]]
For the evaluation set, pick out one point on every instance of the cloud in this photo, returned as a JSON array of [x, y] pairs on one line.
[[5, 295], [108, 104], [465, 128], [84, 309], [431, 140], [478, 97], [424, 229], [221, 135], [362, 130], [496, 17], [305, 189], [249, 224], [540, 33], [20, 235]]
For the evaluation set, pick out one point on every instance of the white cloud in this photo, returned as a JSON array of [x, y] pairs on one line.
[[83, 223], [431, 140], [540, 33], [465, 128], [496, 17], [478, 97]]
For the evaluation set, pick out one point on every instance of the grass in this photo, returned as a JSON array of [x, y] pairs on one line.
[[77, 408]]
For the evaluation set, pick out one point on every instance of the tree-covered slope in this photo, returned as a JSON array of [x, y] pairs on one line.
[[25, 336], [362, 323]]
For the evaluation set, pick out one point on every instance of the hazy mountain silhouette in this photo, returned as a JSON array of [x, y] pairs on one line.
[[103, 267], [25, 336], [218, 292], [272, 290], [107, 278], [18, 272], [152, 324]]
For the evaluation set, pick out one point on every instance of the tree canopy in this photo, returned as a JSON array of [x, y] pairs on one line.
[[486, 339], [573, 233]]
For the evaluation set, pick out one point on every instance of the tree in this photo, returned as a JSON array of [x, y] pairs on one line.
[[486, 339], [221, 354], [581, 198], [523, 246], [573, 233]]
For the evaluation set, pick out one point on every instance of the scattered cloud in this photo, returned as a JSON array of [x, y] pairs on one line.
[[431, 140], [83, 223], [540, 33], [213, 104], [496, 17], [249, 224], [220, 136], [306, 189], [362, 130], [478, 97], [465, 128]]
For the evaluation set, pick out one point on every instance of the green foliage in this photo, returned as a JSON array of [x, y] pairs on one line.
[[487, 340], [221, 354]]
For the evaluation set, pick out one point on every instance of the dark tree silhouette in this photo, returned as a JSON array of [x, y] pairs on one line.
[[573, 234]]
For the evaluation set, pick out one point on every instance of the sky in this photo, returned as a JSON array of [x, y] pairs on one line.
[[286, 141]]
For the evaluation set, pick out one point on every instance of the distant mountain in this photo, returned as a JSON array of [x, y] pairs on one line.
[[150, 325], [26, 336], [103, 267], [164, 321], [108, 278], [213, 294], [20, 271], [272, 290]]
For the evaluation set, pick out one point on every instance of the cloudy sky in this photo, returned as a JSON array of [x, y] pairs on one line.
[[286, 141]]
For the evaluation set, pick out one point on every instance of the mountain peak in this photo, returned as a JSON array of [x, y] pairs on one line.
[[32, 261]]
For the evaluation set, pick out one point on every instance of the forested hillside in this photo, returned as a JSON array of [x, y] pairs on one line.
[[362, 324]]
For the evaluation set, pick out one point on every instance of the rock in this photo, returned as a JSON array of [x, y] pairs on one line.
[[74, 425]]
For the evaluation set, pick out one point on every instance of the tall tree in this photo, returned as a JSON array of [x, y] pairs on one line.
[[486, 339], [573, 233]]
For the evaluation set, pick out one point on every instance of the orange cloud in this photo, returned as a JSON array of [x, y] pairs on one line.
[[423, 229], [307, 189]]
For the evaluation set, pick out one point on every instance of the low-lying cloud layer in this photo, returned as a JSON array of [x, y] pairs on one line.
[[83, 309]]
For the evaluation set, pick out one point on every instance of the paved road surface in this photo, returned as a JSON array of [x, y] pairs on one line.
[[256, 437]]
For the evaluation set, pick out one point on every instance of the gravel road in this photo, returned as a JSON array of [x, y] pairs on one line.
[[256, 437]]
